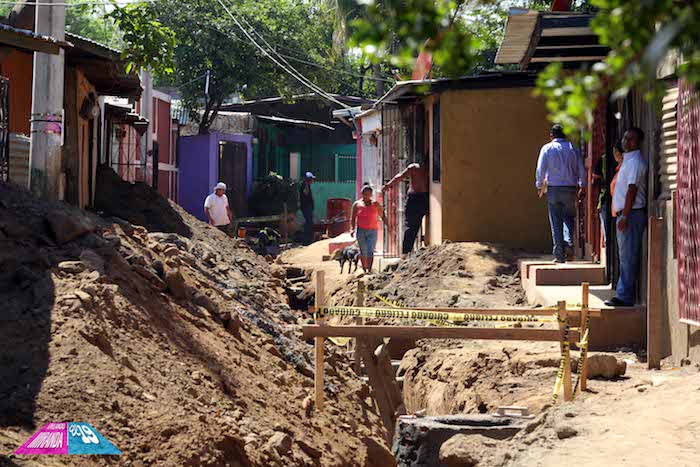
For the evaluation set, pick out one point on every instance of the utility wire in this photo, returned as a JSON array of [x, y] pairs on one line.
[[296, 75], [278, 54], [296, 59]]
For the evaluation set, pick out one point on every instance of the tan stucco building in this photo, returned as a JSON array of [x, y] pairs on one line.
[[481, 137]]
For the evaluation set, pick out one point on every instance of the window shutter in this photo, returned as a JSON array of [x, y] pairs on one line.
[[668, 162]]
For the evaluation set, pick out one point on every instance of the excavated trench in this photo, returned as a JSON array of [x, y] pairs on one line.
[[450, 387]]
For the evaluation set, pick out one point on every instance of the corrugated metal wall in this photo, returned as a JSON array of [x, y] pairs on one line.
[[688, 196]]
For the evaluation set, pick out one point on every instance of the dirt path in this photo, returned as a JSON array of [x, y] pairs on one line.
[[651, 423], [311, 258]]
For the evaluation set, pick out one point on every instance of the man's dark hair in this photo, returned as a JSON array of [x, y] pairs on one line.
[[557, 131], [618, 146], [639, 131]]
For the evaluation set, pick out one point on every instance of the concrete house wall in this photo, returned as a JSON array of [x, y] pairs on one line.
[[199, 168], [491, 139]]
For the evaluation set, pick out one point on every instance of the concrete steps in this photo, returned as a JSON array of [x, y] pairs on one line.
[[571, 273], [546, 283]]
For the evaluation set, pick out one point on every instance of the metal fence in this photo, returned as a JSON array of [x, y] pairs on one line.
[[4, 129]]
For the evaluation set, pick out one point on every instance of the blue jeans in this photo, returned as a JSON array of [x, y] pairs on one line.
[[604, 223], [561, 201], [629, 244], [367, 239]]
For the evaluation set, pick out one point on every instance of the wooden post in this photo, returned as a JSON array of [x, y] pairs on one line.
[[285, 224], [584, 327], [565, 348], [654, 294], [319, 342], [359, 301]]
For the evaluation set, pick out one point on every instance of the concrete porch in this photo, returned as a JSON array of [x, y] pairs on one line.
[[546, 283]]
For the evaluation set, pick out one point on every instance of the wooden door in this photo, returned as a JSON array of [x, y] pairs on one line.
[[233, 171]]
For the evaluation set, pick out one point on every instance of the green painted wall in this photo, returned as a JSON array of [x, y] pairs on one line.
[[322, 192]]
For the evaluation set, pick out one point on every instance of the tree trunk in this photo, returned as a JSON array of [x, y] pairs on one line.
[[379, 84]]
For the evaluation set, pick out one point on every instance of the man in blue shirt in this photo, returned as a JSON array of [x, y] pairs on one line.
[[560, 166]]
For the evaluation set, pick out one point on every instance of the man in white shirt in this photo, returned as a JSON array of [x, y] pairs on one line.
[[629, 202], [217, 209]]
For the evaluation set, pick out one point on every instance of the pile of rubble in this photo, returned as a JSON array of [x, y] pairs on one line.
[[180, 349]]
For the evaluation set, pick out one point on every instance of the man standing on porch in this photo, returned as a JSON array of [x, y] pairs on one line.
[[417, 203], [560, 166], [306, 204], [629, 202]]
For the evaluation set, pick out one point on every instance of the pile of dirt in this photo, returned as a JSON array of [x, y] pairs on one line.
[[137, 203], [181, 350], [474, 275], [452, 377]]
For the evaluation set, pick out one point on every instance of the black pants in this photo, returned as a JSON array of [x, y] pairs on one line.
[[308, 212], [225, 229], [416, 209]]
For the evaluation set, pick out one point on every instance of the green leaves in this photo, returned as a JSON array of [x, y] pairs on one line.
[[147, 42], [640, 35]]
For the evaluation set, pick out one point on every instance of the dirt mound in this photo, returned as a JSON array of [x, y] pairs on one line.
[[452, 377], [448, 275], [137, 203], [181, 351]]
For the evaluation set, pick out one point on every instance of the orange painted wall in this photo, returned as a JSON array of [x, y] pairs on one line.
[[18, 67]]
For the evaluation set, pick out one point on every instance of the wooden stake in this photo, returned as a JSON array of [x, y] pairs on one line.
[[319, 342], [565, 348], [654, 294], [583, 328], [359, 301]]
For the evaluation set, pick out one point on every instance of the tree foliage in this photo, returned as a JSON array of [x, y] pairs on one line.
[[640, 36], [298, 34]]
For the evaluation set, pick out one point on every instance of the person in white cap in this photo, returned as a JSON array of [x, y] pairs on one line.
[[217, 209], [306, 204]]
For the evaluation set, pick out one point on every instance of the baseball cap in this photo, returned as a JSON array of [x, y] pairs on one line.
[[220, 186], [310, 175]]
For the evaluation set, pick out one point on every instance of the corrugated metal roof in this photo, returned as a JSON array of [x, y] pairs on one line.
[[92, 45], [520, 26], [29, 40]]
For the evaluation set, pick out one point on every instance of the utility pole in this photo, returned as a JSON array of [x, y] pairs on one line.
[[45, 179], [148, 112]]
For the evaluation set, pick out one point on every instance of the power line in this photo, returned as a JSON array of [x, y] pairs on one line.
[[232, 36], [334, 69], [298, 76]]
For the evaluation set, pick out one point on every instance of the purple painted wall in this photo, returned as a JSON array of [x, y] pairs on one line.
[[199, 168]]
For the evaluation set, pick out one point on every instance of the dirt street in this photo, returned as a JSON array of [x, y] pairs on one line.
[[179, 349]]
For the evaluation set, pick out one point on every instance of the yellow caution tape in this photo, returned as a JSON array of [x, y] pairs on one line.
[[413, 314], [583, 345], [564, 360], [393, 304], [341, 341]]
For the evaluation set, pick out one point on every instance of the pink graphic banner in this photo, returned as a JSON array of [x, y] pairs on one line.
[[51, 439]]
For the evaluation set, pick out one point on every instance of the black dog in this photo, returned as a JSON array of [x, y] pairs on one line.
[[351, 254]]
